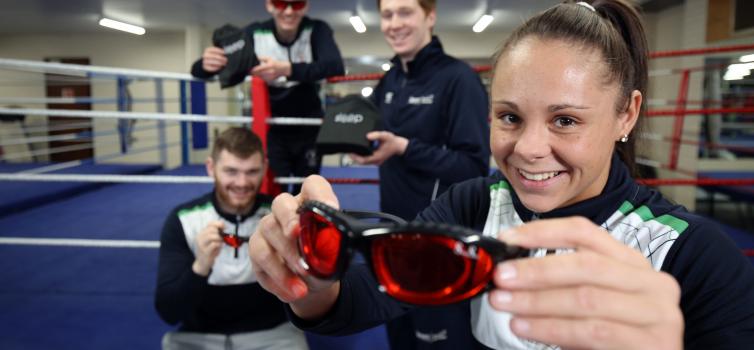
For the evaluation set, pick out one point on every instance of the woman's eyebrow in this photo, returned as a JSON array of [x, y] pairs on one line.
[[557, 107], [511, 105], [550, 108]]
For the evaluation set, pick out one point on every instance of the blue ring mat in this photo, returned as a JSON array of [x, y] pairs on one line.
[[102, 298], [94, 298]]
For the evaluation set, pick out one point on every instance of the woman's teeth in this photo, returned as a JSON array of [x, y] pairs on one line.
[[538, 176]]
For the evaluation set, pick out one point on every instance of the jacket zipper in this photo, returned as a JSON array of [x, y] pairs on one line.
[[235, 233]]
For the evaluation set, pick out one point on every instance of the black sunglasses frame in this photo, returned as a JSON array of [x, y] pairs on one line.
[[234, 235], [358, 235]]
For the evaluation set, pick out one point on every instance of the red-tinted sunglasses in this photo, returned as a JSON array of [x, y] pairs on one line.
[[282, 5], [234, 240], [419, 263]]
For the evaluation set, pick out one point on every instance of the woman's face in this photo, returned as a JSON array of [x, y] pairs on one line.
[[554, 122]]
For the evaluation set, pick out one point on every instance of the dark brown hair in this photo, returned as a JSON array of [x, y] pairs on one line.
[[426, 5], [616, 31], [240, 142]]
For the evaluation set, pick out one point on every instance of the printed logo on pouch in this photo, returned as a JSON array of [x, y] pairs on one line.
[[349, 118], [421, 100], [432, 337], [236, 46]]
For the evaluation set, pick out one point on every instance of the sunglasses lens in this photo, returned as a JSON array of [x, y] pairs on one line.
[[282, 5], [319, 244], [428, 269], [232, 240]]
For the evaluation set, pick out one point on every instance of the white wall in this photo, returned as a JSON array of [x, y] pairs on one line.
[[675, 28], [174, 52], [160, 52]]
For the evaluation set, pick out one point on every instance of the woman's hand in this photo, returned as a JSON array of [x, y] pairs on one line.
[[605, 295], [275, 258]]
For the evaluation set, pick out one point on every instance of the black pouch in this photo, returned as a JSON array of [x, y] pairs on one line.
[[239, 49], [346, 125]]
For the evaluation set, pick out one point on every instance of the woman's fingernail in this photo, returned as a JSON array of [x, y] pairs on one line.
[[520, 326], [502, 297], [507, 271], [298, 288]]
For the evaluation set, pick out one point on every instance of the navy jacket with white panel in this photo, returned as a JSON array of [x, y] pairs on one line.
[[717, 281], [229, 300]]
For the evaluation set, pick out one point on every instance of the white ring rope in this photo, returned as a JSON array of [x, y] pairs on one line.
[[98, 100], [156, 116], [32, 175], [82, 70], [289, 180], [77, 242], [125, 115], [294, 121], [170, 179]]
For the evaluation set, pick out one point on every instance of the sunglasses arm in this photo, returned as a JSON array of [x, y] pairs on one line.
[[360, 214]]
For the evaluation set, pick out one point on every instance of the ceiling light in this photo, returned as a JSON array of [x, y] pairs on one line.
[[482, 23], [386, 66], [358, 24], [367, 91], [747, 58], [738, 71], [106, 22]]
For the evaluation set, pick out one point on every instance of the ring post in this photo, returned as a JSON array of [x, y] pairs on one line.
[[199, 106], [260, 111], [184, 125]]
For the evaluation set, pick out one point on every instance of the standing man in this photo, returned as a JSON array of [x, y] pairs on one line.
[[205, 281], [295, 52], [434, 109]]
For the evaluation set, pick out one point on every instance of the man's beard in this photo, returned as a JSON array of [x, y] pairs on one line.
[[225, 198]]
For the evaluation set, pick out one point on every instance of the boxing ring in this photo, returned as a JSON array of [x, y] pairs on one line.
[[77, 275], [79, 240]]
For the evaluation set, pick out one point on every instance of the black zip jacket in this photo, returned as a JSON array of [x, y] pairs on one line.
[[314, 56], [441, 107], [228, 300], [717, 281]]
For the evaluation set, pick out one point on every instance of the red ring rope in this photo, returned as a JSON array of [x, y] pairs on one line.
[[697, 182], [485, 68]]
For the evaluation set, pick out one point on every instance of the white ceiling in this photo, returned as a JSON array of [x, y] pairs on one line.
[[80, 16]]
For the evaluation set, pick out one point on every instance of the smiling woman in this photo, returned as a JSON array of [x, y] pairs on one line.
[[554, 130], [612, 263]]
